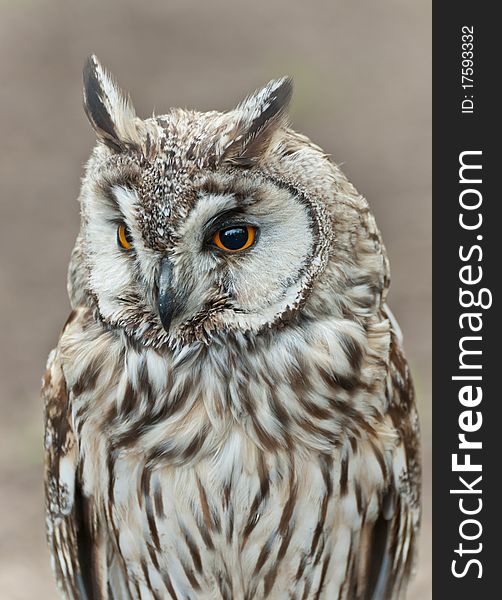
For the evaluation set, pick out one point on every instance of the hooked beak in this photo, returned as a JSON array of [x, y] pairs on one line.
[[167, 302]]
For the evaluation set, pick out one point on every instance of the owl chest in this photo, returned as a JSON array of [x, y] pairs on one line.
[[197, 500], [241, 524]]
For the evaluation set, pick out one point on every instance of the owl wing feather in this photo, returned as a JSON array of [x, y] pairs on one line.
[[389, 542], [70, 523]]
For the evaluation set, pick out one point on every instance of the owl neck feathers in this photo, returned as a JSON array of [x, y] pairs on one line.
[[315, 386]]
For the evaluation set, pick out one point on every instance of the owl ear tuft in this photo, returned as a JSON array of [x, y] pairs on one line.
[[107, 107], [259, 117]]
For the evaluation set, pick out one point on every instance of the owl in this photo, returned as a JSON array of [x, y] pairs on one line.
[[228, 412]]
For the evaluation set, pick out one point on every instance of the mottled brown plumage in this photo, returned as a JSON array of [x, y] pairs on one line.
[[227, 425]]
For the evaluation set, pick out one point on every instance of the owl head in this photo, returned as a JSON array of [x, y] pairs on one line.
[[195, 225]]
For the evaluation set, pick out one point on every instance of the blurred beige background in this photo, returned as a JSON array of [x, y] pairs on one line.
[[362, 71]]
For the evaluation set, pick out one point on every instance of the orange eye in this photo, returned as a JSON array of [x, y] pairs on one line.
[[235, 239], [124, 239]]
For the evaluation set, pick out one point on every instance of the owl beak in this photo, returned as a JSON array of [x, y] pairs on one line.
[[167, 298]]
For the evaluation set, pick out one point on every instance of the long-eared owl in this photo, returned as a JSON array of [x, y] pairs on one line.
[[229, 414]]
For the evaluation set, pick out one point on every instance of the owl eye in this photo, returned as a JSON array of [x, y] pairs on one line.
[[235, 239], [124, 239]]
